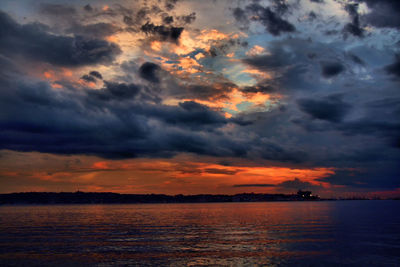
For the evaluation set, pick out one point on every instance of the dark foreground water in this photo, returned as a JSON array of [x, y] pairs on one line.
[[342, 233]]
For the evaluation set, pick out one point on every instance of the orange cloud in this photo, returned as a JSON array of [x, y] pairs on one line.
[[112, 38], [189, 65], [66, 72], [199, 56], [257, 73], [189, 42], [231, 100], [86, 83], [101, 165], [55, 76], [56, 85], [48, 74], [213, 35], [156, 46], [237, 97], [227, 115], [256, 50]]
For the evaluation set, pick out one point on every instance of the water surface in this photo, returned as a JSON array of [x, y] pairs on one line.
[[340, 233]]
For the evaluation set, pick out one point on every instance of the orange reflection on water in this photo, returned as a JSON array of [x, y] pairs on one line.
[[225, 233]]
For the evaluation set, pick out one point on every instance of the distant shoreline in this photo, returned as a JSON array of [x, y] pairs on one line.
[[116, 198]]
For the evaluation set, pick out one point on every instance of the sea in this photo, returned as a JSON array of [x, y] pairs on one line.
[[309, 233]]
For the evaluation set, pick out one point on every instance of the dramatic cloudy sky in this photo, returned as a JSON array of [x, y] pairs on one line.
[[170, 96]]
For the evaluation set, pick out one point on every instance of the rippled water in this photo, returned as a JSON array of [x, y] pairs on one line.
[[353, 233]]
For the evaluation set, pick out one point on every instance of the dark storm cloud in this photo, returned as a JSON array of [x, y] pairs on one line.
[[385, 103], [317, 1], [342, 120], [149, 71], [281, 6], [291, 62], [187, 114], [331, 69], [56, 9], [128, 20], [223, 47], [384, 131], [115, 122], [268, 62], [390, 130], [32, 41], [354, 27], [394, 69], [327, 102], [379, 122], [88, 78], [168, 19], [373, 177], [272, 20], [73, 129], [138, 18], [8, 67], [312, 15], [294, 69], [275, 152], [239, 14], [88, 8], [356, 59], [116, 91], [170, 4], [121, 90], [384, 13], [296, 183], [187, 19], [381, 119], [262, 88], [92, 76], [96, 74], [118, 121], [164, 33], [97, 30], [330, 108], [198, 113]]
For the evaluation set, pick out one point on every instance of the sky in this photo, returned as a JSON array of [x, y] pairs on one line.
[[192, 97]]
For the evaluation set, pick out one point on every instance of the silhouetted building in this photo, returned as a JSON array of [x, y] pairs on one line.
[[304, 194]]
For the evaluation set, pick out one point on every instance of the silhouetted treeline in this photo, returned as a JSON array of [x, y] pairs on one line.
[[100, 198]]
